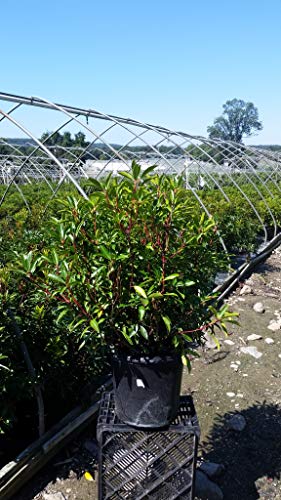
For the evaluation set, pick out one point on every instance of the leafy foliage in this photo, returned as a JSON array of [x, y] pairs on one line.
[[134, 265], [63, 371], [141, 245]]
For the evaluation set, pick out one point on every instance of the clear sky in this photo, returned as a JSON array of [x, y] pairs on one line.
[[171, 63]]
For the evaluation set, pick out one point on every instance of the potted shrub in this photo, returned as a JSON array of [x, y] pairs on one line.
[[135, 265]]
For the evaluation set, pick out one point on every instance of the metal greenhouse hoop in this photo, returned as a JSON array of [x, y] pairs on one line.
[[214, 163]]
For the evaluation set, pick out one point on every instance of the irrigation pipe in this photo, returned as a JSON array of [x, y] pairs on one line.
[[227, 286]]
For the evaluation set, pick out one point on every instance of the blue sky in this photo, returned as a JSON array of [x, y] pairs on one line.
[[167, 63]]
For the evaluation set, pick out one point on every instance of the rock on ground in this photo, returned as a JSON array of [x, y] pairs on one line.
[[53, 496], [246, 290], [259, 307], [268, 340], [229, 342], [252, 351], [274, 325], [254, 336]]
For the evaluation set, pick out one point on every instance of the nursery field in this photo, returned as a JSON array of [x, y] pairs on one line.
[[54, 349], [118, 241], [53, 352]]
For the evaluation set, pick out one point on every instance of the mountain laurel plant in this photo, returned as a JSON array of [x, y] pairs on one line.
[[134, 265]]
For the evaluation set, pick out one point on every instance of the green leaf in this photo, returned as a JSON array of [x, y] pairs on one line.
[[5, 368], [26, 261], [203, 215], [94, 325], [194, 353], [167, 322], [189, 283], [149, 247], [78, 228], [186, 362], [222, 311], [172, 276], [34, 264], [61, 232], [108, 180], [73, 326], [156, 295], [95, 197], [126, 336], [127, 175], [145, 302], [186, 337], [143, 332], [176, 341], [216, 341], [61, 315], [148, 170], [56, 277], [140, 291], [105, 252], [135, 169], [141, 312], [55, 257], [97, 184], [81, 345]]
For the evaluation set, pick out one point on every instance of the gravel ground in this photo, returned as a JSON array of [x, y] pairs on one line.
[[224, 384]]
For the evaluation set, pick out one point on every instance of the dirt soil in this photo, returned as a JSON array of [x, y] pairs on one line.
[[223, 383]]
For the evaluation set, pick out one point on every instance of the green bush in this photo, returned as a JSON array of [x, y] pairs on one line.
[[68, 354], [134, 266]]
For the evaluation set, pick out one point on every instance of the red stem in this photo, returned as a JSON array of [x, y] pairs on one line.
[[201, 328]]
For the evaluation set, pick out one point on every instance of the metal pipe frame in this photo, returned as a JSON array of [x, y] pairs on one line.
[[216, 164]]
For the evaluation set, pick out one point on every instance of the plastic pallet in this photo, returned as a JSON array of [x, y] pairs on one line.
[[156, 464]]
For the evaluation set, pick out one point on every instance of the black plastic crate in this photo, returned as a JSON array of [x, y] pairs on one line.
[[153, 464]]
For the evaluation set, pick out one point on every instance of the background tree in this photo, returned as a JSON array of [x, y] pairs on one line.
[[80, 140], [239, 119], [67, 141]]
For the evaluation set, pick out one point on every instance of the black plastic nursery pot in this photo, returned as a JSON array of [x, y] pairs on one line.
[[147, 389]]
